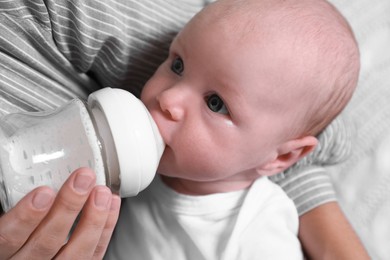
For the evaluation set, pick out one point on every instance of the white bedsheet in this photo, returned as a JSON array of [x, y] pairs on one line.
[[363, 182], [364, 194]]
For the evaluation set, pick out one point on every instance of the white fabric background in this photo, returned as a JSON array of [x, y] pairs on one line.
[[363, 182]]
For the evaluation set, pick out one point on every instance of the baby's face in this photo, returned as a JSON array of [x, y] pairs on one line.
[[220, 103]]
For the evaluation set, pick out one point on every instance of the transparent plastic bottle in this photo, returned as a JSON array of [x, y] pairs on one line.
[[112, 133]]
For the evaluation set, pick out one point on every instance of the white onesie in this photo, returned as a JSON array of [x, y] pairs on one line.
[[258, 223]]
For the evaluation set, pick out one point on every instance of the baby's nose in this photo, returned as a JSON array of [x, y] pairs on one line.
[[172, 104]]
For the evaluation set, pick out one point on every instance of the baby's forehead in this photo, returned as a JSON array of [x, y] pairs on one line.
[[252, 15], [310, 32]]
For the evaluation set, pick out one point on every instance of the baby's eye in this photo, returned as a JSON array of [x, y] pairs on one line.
[[177, 66], [216, 104]]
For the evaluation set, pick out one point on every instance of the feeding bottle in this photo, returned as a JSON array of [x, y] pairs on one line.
[[112, 133]]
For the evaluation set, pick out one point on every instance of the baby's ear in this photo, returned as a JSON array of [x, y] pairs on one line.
[[288, 153]]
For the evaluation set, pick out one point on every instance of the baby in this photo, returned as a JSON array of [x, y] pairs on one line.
[[247, 86]]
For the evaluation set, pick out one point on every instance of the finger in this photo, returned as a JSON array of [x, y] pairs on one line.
[[17, 225], [53, 231], [108, 228], [86, 235]]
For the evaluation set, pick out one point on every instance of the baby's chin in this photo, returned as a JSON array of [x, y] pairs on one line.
[[169, 170], [165, 168], [170, 166]]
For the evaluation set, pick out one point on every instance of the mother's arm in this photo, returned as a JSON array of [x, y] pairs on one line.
[[326, 234]]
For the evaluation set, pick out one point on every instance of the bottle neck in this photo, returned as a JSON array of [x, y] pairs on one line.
[[109, 153]]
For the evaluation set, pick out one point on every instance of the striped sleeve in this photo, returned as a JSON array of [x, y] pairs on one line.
[[120, 43], [52, 51], [308, 188], [34, 76]]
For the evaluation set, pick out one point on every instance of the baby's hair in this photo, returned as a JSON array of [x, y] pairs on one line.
[[322, 33], [337, 69]]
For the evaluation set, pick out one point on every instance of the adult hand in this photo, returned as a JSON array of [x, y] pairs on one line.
[[38, 226]]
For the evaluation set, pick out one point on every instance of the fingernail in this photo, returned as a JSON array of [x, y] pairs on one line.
[[102, 198], [42, 199], [83, 182]]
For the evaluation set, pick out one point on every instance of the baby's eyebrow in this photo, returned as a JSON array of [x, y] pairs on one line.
[[177, 46]]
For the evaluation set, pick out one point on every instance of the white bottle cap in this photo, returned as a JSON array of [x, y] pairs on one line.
[[137, 140]]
